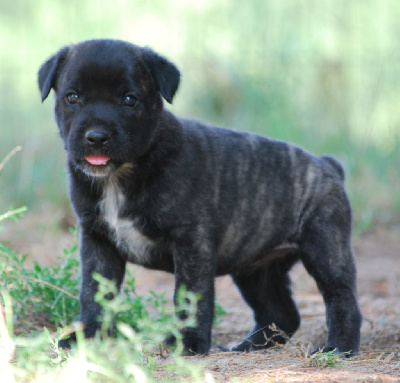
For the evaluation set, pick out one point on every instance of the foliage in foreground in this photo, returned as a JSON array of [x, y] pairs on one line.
[[126, 357], [139, 326], [50, 291]]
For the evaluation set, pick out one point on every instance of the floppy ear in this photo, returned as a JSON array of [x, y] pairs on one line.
[[49, 70], [165, 74]]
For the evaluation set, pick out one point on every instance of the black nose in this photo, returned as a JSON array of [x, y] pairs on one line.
[[96, 137]]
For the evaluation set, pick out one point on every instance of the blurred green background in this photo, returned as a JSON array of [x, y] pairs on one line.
[[323, 74]]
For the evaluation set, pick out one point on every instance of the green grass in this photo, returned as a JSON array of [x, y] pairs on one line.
[[37, 296], [49, 291]]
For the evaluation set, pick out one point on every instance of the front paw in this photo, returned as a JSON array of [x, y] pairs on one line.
[[170, 341], [195, 346], [65, 343], [89, 331], [192, 345]]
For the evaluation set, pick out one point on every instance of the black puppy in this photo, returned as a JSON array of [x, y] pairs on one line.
[[196, 200]]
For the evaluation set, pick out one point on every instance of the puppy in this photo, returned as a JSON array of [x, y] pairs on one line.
[[195, 200]]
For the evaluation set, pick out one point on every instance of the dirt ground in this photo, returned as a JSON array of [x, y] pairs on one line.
[[378, 260]]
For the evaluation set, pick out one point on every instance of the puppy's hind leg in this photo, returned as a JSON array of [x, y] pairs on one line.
[[267, 291], [326, 254]]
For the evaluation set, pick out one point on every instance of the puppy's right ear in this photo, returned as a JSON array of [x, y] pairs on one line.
[[165, 74], [49, 71]]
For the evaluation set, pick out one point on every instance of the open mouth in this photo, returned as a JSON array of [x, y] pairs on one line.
[[97, 159]]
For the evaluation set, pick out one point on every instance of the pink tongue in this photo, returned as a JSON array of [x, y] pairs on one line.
[[97, 159]]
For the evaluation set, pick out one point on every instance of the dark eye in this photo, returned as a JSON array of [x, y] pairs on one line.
[[130, 100], [72, 98]]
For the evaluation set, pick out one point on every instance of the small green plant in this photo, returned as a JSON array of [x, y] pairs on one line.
[[50, 291], [327, 359], [13, 213]]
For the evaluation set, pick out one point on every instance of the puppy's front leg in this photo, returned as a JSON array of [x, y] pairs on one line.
[[195, 269], [100, 256]]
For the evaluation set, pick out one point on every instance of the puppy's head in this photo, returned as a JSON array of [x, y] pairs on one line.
[[108, 101]]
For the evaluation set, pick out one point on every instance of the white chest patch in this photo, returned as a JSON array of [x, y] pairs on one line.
[[126, 234]]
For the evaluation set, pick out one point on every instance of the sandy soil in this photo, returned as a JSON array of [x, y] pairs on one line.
[[378, 260]]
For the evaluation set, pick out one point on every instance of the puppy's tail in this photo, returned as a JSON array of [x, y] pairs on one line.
[[335, 165]]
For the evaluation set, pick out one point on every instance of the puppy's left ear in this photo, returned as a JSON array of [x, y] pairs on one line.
[[165, 74], [49, 71]]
